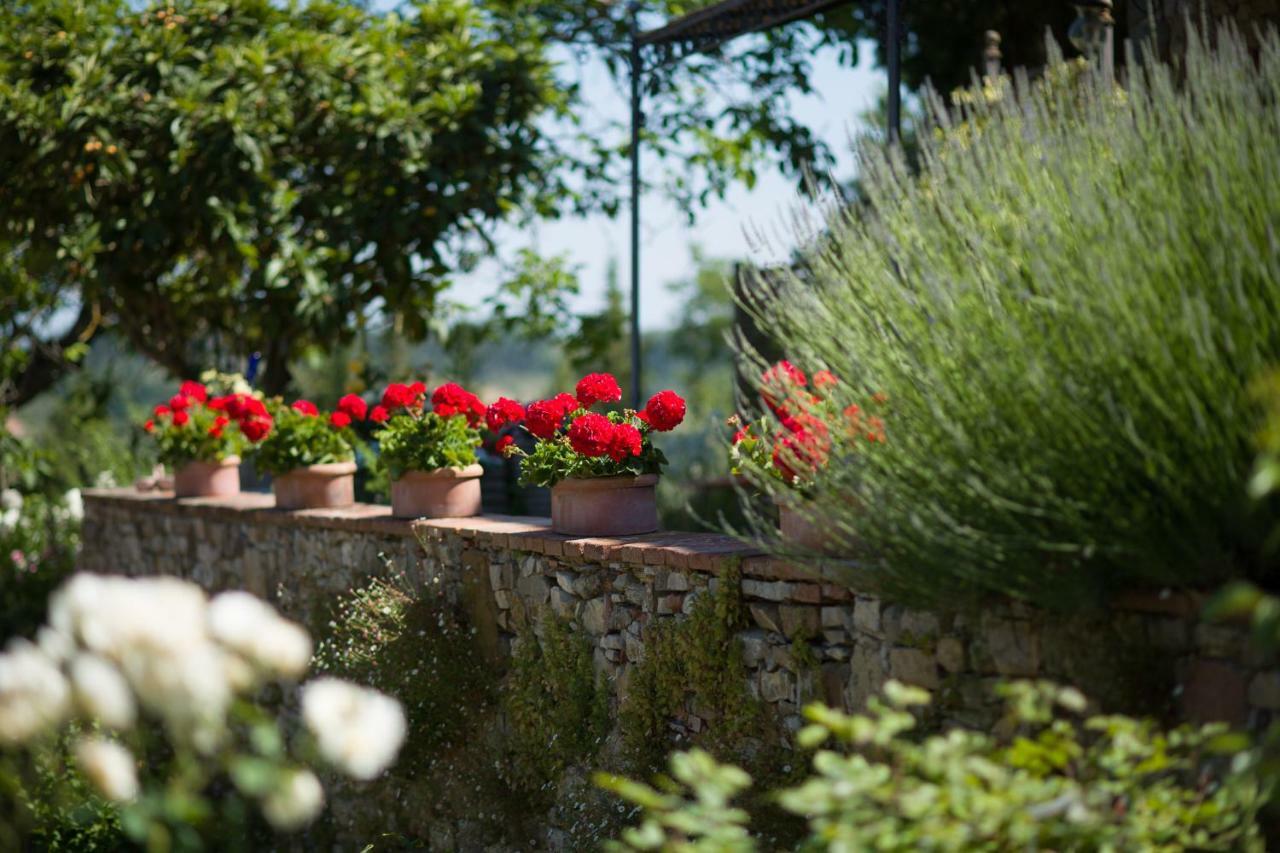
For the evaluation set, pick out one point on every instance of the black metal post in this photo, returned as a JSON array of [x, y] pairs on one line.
[[893, 15], [637, 119]]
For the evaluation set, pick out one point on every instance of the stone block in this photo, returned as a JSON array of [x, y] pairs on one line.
[[633, 648], [621, 618], [766, 616], [837, 617], [534, 589], [766, 590], [777, 686], [1215, 692], [835, 652], [1014, 647], [666, 581], [594, 616], [1218, 641], [754, 647], [866, 616], [806, 593], [950, 654], [563, 603], [920, 624], [799, 620], [913, 666], [867, 676], [613, 641], [669, 605]]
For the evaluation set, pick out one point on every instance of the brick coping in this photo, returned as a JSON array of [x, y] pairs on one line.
[[706, 552]]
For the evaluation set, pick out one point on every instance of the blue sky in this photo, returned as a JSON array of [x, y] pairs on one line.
[[730, 228]]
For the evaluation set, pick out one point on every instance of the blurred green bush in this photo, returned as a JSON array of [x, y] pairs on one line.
[[1065, 307]]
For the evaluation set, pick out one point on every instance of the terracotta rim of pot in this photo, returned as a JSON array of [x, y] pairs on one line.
[[470, 472], [324, 469], [224, 462], [599, 484]]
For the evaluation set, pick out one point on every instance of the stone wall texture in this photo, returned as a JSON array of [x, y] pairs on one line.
[[804, 640]]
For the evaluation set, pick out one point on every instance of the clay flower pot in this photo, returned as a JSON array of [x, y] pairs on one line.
[[326, 486], [208, 479], [605, 506], [443, 493], [802, 529]]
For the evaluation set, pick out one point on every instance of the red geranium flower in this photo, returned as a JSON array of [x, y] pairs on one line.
[[379, 415], [742, 433], [180, 418], [255, 428], [149, 425], [353, 406], [340, 420], [502, 412], [598, 388], [399, 396], [825, 379], [500, 446], [806, 448], [780, 383], [178, 402], [591, 434], [417, 389], [452, 399], [305, 407], [219, 423], [625, 442], [194, 390], [664, 411], [161, 411], [543, 418]]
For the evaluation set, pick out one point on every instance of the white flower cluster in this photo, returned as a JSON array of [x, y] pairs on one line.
[[10, 509], [115, 647]]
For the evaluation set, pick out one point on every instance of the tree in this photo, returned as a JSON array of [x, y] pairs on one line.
[[230, 174]]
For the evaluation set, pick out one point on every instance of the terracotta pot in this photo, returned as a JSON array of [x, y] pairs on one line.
[[443, 493], [326, 486], [803, 530], [605, 506], [208, 479]]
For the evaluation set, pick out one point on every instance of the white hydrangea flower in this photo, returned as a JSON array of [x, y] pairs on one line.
[[101, 692], [34, 696], [56, 645], [295, 803], [359, 730], [252, 628], [109, 767]]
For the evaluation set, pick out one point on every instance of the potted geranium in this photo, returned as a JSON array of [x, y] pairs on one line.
[[430, 451], [792, 442], [309, 454], [201, 437], [602, 468]]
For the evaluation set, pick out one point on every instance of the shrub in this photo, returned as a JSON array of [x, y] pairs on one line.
[[1065, 308], [413, 438], [1056, 782]]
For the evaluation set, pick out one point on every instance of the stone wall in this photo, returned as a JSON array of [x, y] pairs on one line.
[[802, 639]]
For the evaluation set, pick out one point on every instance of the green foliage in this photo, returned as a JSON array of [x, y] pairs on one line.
[[424, 441], [297, 440], [198, 439], [1055, 782], [557, 707], [554, 460], [691, 663], [256, 172], [1065, 312]]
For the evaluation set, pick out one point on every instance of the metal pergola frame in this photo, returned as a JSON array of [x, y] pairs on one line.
[[704, 30]]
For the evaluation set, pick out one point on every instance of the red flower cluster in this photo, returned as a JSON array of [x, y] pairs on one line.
[[664, 411], [452, 399], [254, 419], [598, 388], [248, 412], [305, 407], [502, 412], [544, 417], [400, 396], [595, 435], [194, 390], [806, 448], [353, 407]]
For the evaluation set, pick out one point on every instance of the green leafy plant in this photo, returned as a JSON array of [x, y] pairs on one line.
[[1065, 311], [573, 441], [1055, 781], [301, 435]]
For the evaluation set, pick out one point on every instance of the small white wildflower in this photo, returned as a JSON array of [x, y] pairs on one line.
[[252, 628], [359, 730], [34, 696], [295, 803], [10, 509], [101, 692], [109, 767], [105, 480]]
